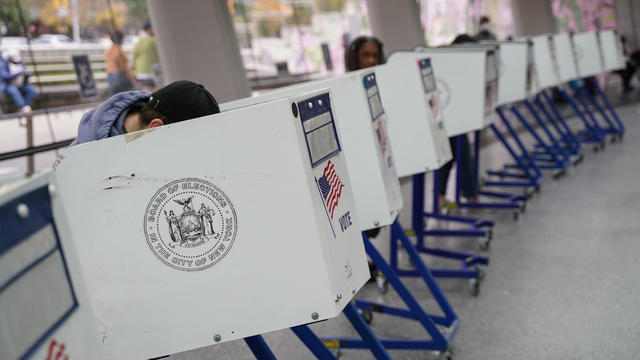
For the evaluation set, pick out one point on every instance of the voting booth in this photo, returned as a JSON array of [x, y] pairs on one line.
[[612, 50], [416, 121], [588, 55], [361, 121], [546, 65], [468, 101], [42, 317], [211, 230], [515, 77], [563, 49]]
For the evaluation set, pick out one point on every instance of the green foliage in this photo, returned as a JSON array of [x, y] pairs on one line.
[[330, 5], [301, 15], [269, 28], [10, 16], [137, 10]]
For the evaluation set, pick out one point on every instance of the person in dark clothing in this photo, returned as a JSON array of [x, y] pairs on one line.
[[363, 52], [469, 187], [485, 30], [630, 67], [14, 80]]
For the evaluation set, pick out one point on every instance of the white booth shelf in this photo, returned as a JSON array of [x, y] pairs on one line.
[[468, 100], [588, 55], [612, 50], [562, 47], [512, 82], [362, 124], [546, 65], [213, 229], [416, 122]]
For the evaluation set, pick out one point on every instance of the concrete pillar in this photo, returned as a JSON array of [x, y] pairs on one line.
[[396, 23], [197, 42], [532, 17]]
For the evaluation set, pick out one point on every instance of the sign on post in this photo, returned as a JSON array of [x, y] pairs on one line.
[[84, 75]]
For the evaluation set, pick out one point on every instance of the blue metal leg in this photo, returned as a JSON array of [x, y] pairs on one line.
[[564, 136], [577, 92], [459, 165], [526, 158], [621, 126], [612, 128], [526, 170], [590, 133], [574, 140], [312, 342], [369, 338], [439, 339], [419, 215], [547, 149], [556, 147], [259, 348]]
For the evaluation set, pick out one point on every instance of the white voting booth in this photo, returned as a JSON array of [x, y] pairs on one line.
[[362, 124], [416, 122], [547, 72], [612, 50], [562, 48], [468, 101], [41, 317], [515, 75], [210, 230], [588, 55]]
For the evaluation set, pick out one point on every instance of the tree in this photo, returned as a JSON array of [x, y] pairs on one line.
[[10, 16]]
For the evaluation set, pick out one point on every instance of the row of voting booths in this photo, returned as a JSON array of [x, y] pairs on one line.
[[249, 221]]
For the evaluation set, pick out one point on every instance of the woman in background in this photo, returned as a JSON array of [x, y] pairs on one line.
[[363, 52], [119, 76]]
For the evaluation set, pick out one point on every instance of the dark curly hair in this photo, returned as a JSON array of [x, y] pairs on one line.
[[351, 54]]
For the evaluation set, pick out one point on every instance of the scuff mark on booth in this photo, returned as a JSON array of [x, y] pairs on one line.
[[137, 135]]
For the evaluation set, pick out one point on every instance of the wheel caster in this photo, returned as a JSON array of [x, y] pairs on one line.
[[382, 284], [490, 234], [516, 215], [367, 315], [523, 208], [444, 355], [481, 269], [596, 149], [484, 242], [474, 284]]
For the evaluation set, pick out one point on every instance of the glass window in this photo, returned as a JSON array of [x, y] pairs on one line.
[[280, 38]]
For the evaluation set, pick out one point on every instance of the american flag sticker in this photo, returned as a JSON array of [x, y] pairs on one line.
[[433, 102], [330, 187], [382, 137]]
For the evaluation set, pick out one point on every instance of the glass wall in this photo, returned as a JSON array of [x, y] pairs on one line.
[[296, 36], [583, 15], [443, 20]]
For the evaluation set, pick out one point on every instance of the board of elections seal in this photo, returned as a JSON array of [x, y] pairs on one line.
[[190, 224]]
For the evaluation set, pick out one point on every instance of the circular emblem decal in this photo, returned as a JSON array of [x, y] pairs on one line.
[[444, 92], [190, 224]]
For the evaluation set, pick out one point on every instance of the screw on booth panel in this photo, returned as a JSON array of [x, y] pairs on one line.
[[23, 211], [315, 316], [217, 338]]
